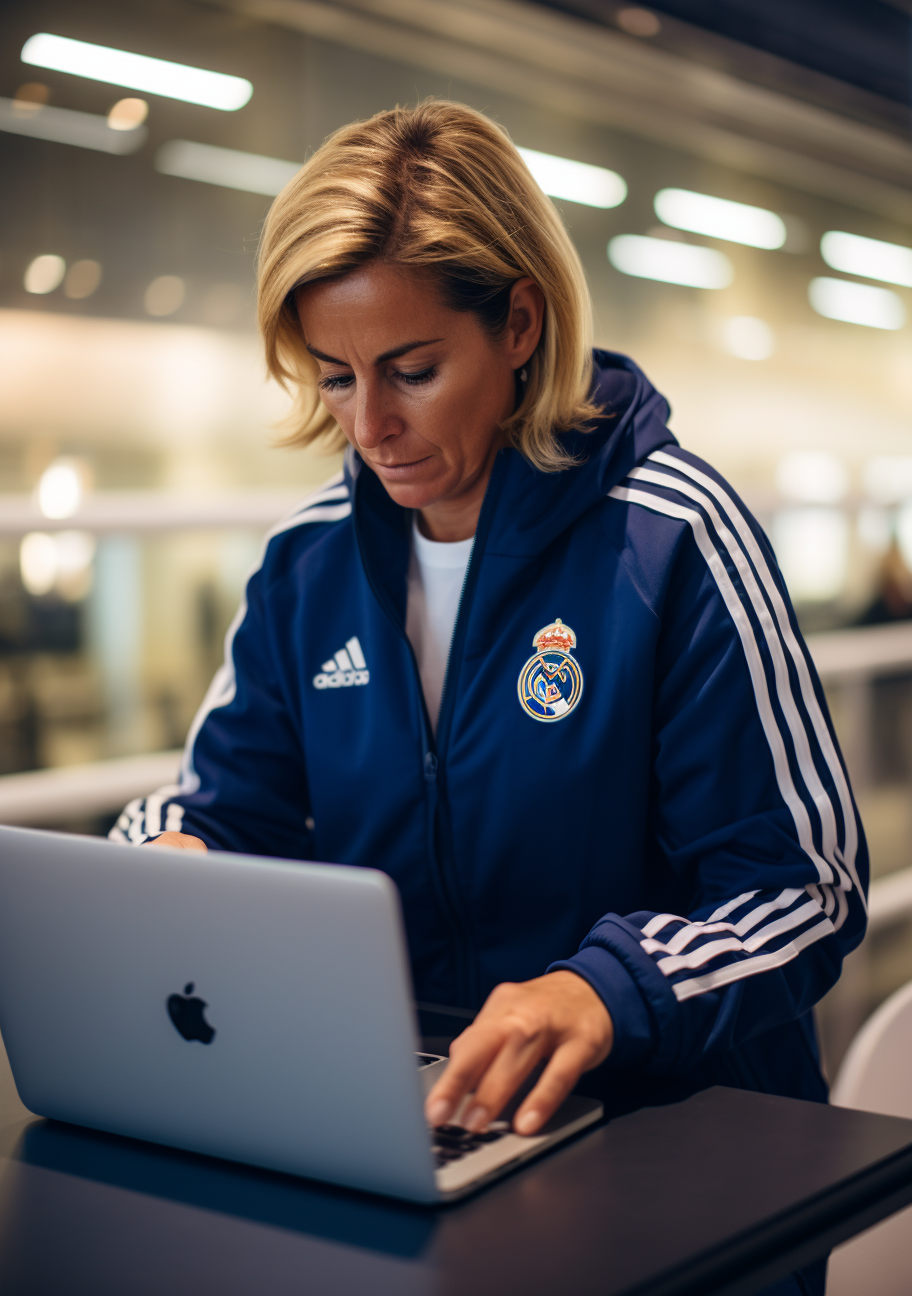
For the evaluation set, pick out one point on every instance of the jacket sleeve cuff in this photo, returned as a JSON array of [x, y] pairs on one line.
[[634, 1031]]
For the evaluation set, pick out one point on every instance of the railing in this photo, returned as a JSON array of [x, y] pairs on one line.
[[43, 798], [849, 662], [843, 656], [136, 512], [890, 900]]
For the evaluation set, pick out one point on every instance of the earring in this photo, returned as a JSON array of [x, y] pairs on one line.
[[523, 375]]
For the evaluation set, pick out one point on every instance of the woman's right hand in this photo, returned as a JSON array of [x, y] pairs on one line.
[[179, 841]]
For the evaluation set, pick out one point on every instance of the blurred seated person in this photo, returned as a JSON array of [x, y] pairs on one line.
[[525, 654], [893, 597]]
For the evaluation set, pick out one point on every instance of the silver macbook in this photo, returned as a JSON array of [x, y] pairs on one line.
[[242, 1007]]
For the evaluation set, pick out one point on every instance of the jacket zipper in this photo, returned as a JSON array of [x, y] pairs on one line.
[[429, 767], [462, 590], [439, 834], [467, 972]]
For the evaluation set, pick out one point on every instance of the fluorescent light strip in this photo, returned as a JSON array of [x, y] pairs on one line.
[[64, 126], [669, 261], [867, 257], [579, 182], [227, 167], [139, 72], [719, 218], [855, 303]]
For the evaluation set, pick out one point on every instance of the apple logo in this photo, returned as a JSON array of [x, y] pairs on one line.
[[187, 1013]]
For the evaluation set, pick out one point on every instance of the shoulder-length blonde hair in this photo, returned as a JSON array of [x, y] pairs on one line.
[[439, 188]]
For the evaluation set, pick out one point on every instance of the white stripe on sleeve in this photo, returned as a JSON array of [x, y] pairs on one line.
[[658, 504], [759, 963], [658, 921], [692, 931], [826, 904], [795, 650]]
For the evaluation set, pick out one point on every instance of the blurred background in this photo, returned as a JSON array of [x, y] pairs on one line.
[[737, 180]]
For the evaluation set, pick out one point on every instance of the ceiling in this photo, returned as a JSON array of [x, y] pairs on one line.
[[818, 48]]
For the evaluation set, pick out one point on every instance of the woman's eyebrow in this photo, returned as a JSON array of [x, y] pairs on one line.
[[401, 351], [394, 354]]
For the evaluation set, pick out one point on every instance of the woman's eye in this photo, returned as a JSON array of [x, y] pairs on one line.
[[335, 382], [342, 382], [416, 379]]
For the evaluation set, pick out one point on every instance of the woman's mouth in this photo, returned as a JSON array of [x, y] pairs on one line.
[[400, 471]]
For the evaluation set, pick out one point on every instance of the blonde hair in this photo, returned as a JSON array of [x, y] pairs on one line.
[[438, 188]]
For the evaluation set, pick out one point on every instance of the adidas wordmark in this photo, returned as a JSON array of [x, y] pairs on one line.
[[345, 668]]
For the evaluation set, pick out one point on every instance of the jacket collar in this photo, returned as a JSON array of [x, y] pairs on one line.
[[525, 509]]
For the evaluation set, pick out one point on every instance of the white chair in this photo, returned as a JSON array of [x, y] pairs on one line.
[[876, 1076]]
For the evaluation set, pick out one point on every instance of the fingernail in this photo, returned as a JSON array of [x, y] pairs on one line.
[[477, 1120], [527, 1122], [439, 1112]]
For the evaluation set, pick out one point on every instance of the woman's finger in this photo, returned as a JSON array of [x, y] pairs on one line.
[[470, 1055], [521, 1052], [178, 841], [554, 1085]]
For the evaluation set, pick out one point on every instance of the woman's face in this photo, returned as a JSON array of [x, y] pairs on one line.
[[418, 389]]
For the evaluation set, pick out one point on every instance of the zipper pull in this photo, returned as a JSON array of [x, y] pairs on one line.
[[430, 767]]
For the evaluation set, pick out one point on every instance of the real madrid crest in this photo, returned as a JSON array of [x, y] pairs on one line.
[[551, 683]]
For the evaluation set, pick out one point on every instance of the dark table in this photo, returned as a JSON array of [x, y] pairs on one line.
[[721, 1193]]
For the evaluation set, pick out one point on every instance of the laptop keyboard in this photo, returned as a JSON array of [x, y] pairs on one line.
[[452, 1142], [427, 1059]]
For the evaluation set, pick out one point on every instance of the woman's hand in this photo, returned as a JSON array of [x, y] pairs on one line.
[[557, 1016], [178, 841]]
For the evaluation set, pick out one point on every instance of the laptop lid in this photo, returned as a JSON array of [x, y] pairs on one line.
[[243, 1007]]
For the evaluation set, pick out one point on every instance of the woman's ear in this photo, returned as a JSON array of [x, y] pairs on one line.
[[524, 322]]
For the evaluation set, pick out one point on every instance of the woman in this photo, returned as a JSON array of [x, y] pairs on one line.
[[525, 654]]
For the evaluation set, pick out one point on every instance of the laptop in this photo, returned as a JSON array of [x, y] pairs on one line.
[[248, 1008]]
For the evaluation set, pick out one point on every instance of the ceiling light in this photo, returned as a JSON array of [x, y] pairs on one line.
[[127, 114], [812, 548], [579, 182], [870, 258], [65, 126], [812, 476], [138, 71], [38, 562], [62, 561], [228, 167], [719, 218], [888, 478], [82, 278], [748, 338], [670, 262], [856, 303], [61, 488], [164, 295], [44, 274], [873, 527]]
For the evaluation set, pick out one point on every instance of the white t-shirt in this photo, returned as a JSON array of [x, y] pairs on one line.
[[435, 577]]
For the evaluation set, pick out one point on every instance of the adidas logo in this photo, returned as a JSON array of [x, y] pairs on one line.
[[345, 668]]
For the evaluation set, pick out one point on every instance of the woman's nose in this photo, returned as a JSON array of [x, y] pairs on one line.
[[374, 422]]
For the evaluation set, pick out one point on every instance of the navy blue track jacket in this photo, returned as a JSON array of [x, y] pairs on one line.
[[675, 825]]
